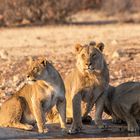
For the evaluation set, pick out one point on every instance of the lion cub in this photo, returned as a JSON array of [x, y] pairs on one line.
[[86, 84], [123, 103], [31, 103]]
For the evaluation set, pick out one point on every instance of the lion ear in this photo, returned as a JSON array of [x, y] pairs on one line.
[[100, 46], [44, 62], [92, 43], [78, 48]]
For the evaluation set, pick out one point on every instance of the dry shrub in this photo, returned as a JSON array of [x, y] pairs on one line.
[[113, 7], [56, 11], [15, 11], [44, 11]]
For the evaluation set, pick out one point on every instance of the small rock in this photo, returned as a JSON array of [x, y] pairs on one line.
[[15, 78], [4, 54], [113, 61], [112, 77], [116, 54], [114, 42], [125, 59], [119, 53]]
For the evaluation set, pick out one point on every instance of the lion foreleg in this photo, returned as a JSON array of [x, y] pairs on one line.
[[99, 105], [124, 112], [89, 107], [38, 114], [22, 126], [77, 120], [61, 107]]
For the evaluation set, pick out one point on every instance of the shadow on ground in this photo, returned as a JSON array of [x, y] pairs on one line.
[[79, 23], [89, 131]]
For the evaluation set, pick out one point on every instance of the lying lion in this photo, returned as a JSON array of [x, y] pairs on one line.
[[30, 104], [123, 103], [85, 85]]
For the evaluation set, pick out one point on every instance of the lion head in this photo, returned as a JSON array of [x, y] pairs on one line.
[[42, 69], [39, 69], [89, 57]]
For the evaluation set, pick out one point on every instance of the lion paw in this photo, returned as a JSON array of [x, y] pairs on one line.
[[64, 131], [133, 128], [29, 127], [40, 131], [100, 124], [75, 130], [43, 130]]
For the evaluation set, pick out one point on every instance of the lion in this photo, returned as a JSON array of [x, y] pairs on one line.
[[45, 88], [85, 85], [123, 104]]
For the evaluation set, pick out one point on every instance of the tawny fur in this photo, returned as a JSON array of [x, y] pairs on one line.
[[85, 84], [123, 104], [31, 103]]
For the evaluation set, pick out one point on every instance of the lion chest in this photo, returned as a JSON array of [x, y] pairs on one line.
[[50, 98], [90, 81]]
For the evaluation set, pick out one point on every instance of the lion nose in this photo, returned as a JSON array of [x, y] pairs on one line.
[[90, 66]]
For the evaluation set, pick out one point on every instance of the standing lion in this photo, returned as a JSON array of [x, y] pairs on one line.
[[85, 85]]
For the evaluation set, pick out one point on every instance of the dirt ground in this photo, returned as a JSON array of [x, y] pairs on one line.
[[115, 132], [56, 43], [122, 50]]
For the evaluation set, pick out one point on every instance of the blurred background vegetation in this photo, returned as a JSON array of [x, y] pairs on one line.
[[20, 12]]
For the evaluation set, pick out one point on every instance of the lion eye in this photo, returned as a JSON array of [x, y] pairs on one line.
[[94, 55], [39, 72], [83, 56], [35, 69]]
